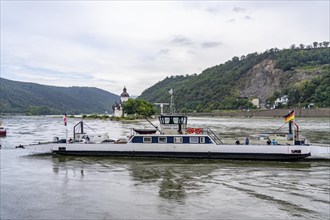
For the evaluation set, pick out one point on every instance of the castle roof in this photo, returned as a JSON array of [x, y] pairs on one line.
[[124, 94]]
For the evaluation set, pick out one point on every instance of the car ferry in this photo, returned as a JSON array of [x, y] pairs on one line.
[[174, 139]]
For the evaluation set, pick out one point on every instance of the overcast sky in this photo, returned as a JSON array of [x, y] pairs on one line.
[[112, 44]]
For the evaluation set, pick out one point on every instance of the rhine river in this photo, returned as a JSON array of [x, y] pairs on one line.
[[66, 187]]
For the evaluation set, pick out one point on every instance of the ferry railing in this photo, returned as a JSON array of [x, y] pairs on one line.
[[214, 137]]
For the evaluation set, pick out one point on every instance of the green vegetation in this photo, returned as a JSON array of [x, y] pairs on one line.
[[231, 103], [106, 117], [95, 116], [289, 59], [138, 107], [32, 98], [316, 91], [41, 110], [218, 87]]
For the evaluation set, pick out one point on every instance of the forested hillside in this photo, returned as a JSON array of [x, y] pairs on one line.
[[32, 98], [302, 73]]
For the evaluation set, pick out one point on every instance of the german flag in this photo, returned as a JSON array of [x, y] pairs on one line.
[[289, 117]]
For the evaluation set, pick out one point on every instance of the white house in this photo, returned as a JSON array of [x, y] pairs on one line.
[[281, 101]]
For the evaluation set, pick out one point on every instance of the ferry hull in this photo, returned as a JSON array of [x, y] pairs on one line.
[[208, 151], [196, 155]]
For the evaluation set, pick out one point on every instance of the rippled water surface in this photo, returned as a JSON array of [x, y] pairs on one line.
[[65, 187]]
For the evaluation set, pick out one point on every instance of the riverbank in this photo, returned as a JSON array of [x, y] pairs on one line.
[[319, 112]]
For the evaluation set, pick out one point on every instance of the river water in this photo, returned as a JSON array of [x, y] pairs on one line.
[[66, 187]]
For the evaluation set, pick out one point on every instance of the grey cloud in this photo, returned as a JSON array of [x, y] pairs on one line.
[[210, 44], [191, 51], [239, 9], [181, 40], [163, 51], [212, 10]]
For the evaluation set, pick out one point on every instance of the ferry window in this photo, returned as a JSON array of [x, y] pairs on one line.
[[194, 140], [202, 140], [178, 140], [146, 139], [162, 140]]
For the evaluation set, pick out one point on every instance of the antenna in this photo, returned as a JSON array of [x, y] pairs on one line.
[[172, 107], [161, 107]]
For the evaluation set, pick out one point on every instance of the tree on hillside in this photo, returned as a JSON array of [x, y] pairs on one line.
[[219, 87], [326, 43], [138, 107]]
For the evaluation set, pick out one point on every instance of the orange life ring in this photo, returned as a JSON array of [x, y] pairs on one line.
[[190, 130], [198, 130]]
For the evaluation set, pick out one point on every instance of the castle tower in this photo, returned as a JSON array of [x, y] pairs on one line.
[[118, 110], [124, 96]]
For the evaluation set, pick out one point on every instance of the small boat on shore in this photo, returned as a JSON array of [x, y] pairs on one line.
[[174, 139], [3, 131]]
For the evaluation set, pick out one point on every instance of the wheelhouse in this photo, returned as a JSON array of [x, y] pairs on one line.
[[173, 124]]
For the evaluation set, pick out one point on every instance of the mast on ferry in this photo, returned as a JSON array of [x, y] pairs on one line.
[[172, 107]]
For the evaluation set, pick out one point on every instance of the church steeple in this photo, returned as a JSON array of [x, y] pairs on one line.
[[124, 94]]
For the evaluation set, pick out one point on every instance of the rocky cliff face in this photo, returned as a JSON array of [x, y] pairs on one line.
[[261, 81], [264, 79]]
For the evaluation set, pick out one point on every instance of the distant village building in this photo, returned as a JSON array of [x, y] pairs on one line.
[[255, 102], [281, 101], [310, 105], [117, 107]]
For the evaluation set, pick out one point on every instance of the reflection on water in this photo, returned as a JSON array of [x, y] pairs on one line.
[[177, 180], [67, 187], [181, 180], [85, 187]]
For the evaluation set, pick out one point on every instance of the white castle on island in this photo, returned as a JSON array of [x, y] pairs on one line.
[[117, 107]]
